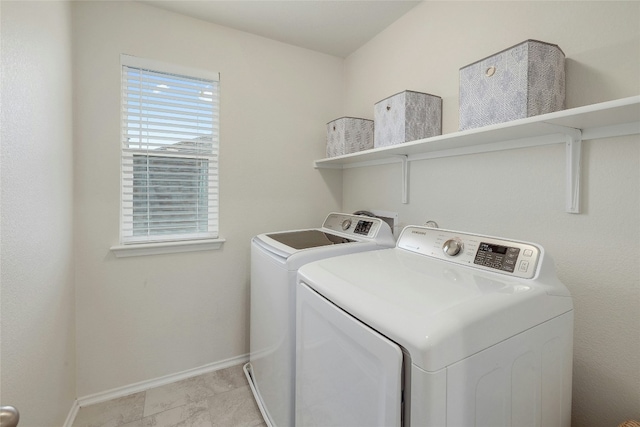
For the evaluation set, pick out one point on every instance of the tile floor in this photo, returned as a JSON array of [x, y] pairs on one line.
[[220, 398]]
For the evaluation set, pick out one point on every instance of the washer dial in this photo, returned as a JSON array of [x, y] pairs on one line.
[[346, 224]]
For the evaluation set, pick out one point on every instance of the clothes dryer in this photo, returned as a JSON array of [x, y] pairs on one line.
[[446, 329], [275, 260]]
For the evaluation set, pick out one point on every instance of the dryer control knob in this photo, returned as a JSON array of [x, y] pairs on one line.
[[346, 224], [453, 247]]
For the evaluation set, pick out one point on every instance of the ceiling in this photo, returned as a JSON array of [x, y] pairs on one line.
[[335, 27]]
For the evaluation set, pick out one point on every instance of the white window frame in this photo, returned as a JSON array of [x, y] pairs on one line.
[[158, 244]]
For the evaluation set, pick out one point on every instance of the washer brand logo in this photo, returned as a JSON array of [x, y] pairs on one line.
[[424, 233]]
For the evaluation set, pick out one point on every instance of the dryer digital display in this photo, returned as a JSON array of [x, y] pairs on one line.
[[497, 256]]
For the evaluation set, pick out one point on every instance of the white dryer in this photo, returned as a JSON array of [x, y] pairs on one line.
[[446, 329], [275, 260]]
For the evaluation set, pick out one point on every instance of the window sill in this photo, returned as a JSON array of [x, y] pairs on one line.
[[142, 249]]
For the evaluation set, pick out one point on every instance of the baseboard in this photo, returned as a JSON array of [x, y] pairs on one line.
[[149, 384], [72, 414], [263, 410]]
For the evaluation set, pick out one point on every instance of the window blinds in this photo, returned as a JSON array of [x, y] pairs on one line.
[[169, 169]]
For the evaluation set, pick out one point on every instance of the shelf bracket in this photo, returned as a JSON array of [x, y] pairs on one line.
[[405, 177], [573, 145], [573, 160]]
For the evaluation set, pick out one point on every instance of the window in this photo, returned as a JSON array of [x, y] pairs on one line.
[[169, 167]]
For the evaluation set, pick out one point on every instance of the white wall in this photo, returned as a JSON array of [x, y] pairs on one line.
[[145, 317], [37, 289], [520, 193]]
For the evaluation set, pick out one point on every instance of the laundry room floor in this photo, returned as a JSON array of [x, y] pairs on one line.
[[220, 398]]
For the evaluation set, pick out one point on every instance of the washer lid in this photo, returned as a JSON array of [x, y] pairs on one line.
[[440, 312], [305, 239]]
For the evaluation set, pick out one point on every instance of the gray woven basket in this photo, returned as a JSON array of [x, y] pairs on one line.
[[349, 135], [522, 81]]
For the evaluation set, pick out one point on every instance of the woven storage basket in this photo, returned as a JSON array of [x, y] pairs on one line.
[[407, 116], [349, 135], [522, 81], [630, 423]]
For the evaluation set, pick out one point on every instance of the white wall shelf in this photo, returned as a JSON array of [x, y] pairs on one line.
[[571, 127]]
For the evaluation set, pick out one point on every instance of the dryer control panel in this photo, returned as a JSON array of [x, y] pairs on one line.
[[519, 259]]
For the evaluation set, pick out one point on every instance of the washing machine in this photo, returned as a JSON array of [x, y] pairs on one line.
[[275, 260], [445, 329]]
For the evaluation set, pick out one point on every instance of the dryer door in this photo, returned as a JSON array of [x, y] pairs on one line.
[[347, 374]]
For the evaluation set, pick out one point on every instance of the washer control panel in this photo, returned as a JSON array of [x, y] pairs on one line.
[[353, 224], [495, 254]]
